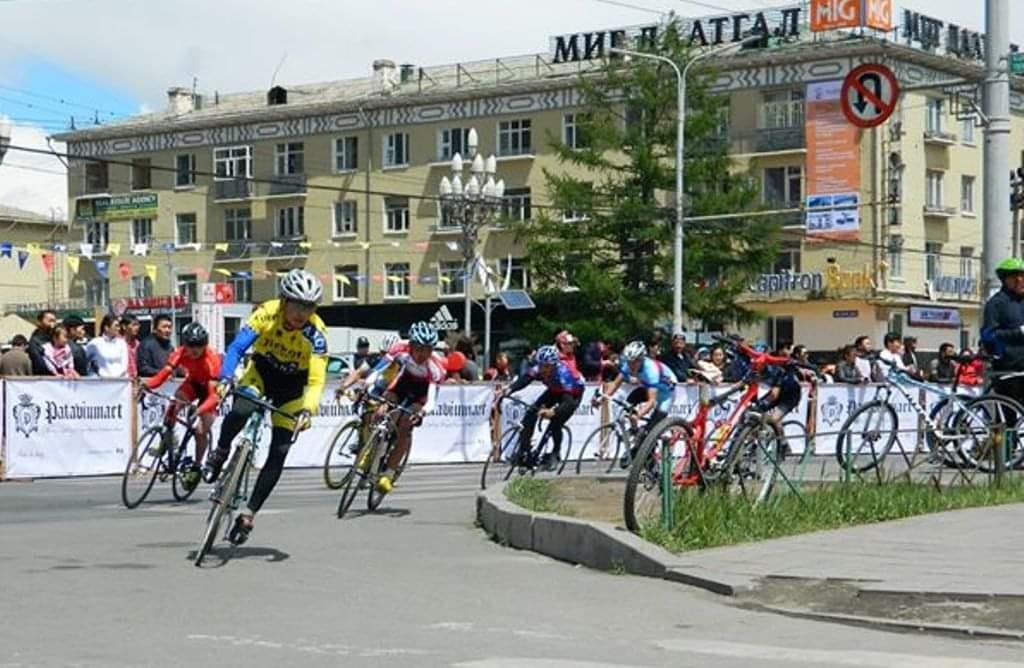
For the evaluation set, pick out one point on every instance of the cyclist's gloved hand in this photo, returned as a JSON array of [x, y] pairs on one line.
[[224, 387], [303, 420], [416, 419]]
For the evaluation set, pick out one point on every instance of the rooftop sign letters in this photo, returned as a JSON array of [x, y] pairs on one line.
[[708, 31], [932, 34], [834, 14]]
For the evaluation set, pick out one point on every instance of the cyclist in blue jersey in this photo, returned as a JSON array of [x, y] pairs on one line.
[[653, 396], [557, 404]]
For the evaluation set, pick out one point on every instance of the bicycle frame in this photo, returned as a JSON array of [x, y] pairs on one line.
[[899, 380]]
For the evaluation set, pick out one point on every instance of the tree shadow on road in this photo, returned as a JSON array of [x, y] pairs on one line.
[[225, 553]]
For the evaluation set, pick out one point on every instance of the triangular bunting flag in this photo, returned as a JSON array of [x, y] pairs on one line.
[[60, 248], [5, 249], [151, 271], [124, 270], [305, 245], [22, 259], [220, 248], [225, 272], [276, 244], [47, 262], [86, 250], [140, 249], [114, 249], [364, 245], [242, 274], [102, 268], [33, 249], [73, 263], [343, 279]]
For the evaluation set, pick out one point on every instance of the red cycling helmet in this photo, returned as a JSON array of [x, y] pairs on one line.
[[455, 362]]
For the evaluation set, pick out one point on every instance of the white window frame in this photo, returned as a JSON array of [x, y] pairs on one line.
[[520, 268], [144, 225], [188, 286], [290, 158], [895, 253], [454, 271], [782, 109], [236, 219], [790, 173], [446, 147], [792, 250], [393, 212], [399, 289], [396, 150], [231, 157], [571, 130], [97, 292], [341, 158], [345, 218], [967, 131], [97, 233], [340, 287], [289, 222], [179, 218], [967, 182], [517, 201], [189, 173], [966, 261], [140, 287], [242, 287], [932, 260], [513, 132], [934, 195], [934, 112]]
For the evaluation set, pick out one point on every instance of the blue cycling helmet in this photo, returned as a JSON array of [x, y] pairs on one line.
[[423, 334], [547, 355]]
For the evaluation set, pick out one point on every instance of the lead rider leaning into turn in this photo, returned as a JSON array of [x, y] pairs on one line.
[[288, 367]]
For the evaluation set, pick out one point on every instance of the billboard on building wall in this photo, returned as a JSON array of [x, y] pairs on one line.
[[833, 166]]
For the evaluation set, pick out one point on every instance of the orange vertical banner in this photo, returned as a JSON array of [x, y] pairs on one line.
[[833, 166]]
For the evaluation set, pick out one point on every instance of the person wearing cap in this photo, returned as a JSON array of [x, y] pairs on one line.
[[362, 353], [16, 362], [566, 344], [76, 334], [1002, 330]]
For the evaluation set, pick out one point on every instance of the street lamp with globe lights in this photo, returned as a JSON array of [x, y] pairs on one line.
[[470, 205]]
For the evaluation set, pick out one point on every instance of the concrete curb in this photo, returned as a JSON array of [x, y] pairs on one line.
[[597, 545]]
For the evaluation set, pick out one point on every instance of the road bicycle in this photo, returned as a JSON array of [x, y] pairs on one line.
[[231, 490], [345, 443], [740, 455], [957, 429], [158, 454], [508, 457], [371, 459], [612, 441]]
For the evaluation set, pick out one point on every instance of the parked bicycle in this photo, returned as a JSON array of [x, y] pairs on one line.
[[371, 458], [158, 454], [231, 490], [509, 457]]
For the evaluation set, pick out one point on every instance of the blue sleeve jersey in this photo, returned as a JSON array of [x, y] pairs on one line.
[[562, 381]]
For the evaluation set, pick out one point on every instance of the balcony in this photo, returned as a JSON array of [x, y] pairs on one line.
[[939, 211], [229, 189], [286, 185], [276, 248], [288, 247], [939, 137], [237, 250], [769, 140]]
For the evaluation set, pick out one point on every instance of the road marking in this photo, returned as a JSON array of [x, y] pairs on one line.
[[829, 657], [521, 662]]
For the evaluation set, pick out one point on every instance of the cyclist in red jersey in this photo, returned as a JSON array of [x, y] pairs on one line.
[[202, 368], [566, 344]]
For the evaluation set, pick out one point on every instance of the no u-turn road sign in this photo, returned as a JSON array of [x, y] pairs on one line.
[[869, 95]]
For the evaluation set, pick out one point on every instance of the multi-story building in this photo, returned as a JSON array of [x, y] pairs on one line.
[[32, 274], [342, 178]]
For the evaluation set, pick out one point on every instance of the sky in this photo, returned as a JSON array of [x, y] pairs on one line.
[[97, 60]]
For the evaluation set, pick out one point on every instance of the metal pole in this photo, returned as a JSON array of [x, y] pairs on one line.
[[997, 232], [468, 251], [174, 304], [488, 305]]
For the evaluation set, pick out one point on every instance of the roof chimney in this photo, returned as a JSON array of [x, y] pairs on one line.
[[179, 100], [385, 80]]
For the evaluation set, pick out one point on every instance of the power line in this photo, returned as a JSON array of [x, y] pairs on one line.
[[618, 3], [61, 100]]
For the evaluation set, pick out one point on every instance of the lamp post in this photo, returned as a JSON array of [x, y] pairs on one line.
[[677, 293], [470, 205]]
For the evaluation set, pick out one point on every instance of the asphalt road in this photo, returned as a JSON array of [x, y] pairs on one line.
[[84, 582]]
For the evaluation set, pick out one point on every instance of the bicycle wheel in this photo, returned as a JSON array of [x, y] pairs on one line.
[[339, 458], [980, 425], [565, 451], [642, 501], [866, 436], [754, 458], [603, 446], [223, 498], [500, 469], [178, 488], [946, 444], [142, 470], [356, 476]]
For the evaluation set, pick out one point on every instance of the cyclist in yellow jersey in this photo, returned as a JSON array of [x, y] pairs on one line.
[[288, 366]]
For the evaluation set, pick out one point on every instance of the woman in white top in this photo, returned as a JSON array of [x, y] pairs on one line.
[[108, 353]]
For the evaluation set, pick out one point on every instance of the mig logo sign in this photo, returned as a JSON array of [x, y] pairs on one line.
[[26, 415]]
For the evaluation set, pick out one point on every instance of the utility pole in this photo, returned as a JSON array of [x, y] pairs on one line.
[[996, 232]]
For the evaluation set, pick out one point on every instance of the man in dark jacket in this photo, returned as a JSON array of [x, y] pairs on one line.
[[1002, 330], [156, 348], [677, 358], [942, 369], [76, 334], [45, 322]]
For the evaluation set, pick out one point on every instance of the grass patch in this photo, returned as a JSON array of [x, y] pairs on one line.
[[712, 520], [533, 494]]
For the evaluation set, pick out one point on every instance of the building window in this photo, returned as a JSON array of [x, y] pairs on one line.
[[574, 216], [783, 186], [896, 256], [451, 279], [782, 109], [967, 194], [967, 130], [788, 258], [237, 224], [932, 260], [396, 150], [516, 271], [97, 234], [185, 229], [966, 261], [896, 323], [346, 154], [778, 331], [933, 116], [288, 159], [516, 204], [345, 217], [142, 230], [185, 170], [396, 214], [452, 141], [96, 177], [188, 287], [142, 174], [97, 292], [445, 219], [573, 135], [514, 137], [396, 279], [141, 286], [233, 163], [346, 287], [242, 288], [933, 189], [290, 222]]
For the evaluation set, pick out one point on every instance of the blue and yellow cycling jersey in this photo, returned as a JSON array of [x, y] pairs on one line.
[[653, 374], [286, 364]]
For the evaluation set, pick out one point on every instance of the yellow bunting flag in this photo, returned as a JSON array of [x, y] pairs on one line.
[[73, 262], [151, 271], [220, 248], [222, 271], [33, 249], [343, 278], [114, 249]]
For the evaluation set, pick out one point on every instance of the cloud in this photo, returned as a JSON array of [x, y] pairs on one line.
[[33, 181]]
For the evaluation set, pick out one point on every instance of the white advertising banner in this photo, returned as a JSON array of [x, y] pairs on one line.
[[837, 402], [62, 428], [458, 429]]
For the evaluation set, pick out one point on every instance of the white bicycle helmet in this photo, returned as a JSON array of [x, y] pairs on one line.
[[299, 285], [634, 350], [423, 334], [388, 341]]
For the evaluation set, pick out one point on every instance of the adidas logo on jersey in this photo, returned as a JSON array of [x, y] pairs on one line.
[[443, 320]]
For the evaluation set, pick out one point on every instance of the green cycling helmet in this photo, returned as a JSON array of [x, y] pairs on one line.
[[1011, 265]]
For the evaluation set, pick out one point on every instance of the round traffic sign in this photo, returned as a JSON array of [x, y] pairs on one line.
[[869, 95]]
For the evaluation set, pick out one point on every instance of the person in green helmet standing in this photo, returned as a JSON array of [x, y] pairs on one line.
[[1002, 330]]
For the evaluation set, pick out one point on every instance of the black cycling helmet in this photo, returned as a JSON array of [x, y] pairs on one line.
[[362, 342], [194, 334]]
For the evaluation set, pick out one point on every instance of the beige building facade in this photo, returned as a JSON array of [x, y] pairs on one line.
[[32, 275]]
